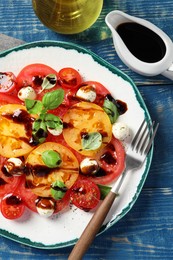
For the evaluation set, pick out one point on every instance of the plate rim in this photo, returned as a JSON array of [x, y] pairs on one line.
[[115, 70]]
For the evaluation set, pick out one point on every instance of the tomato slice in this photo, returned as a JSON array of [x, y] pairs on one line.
[[30, 198], [39, 177], [84, 118], [63, 203], [101, 91], [69, 78], [12, 206], [33, 75], [111, 161], [85, 194], [7, 82], [8, 99], [16, 130], [7, 183], [27, 195]]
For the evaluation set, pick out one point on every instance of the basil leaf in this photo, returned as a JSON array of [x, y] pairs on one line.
[[51, 158], [53, 99], [58, 190], [39, 131], [38, 137], [49, 81], [52, 121], [39, 123], [104, 190], [91, 141], [33, 106], [111, 110], [36, 124]]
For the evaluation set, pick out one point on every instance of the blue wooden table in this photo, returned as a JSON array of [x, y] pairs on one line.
[[146, 232]]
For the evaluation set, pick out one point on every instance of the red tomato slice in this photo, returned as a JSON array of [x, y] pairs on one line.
[[63, 203], [7, 183], [27, 196], [30, 198], [101, 91], [69, 78], [85, 194], [12, 206], [112, 163], [9, 99], [7, 82], [33, 75]]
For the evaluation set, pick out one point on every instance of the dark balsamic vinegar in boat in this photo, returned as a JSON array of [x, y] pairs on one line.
[[142, 42]]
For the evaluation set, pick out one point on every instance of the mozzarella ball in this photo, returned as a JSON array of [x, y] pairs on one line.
[[89, 166], [86, 93], [14, 166], [27, 93], [45, 207], [120, 130], [45, 212], [55, 132]]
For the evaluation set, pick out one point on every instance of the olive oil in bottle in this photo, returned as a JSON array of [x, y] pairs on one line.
[[67, 16]]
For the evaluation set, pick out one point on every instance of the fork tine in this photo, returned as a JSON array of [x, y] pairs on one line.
[[147, 136], [134, 141], [141, 136], [151, 140], [143, 139]]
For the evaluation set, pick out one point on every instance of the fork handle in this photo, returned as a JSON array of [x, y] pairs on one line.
[[92, 228]]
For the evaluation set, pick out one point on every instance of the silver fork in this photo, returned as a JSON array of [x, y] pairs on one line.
[[135, 157]]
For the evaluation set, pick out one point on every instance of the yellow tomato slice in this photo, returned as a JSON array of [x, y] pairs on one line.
[[84, 118], [39, 177], [14, 141], [11, 147]]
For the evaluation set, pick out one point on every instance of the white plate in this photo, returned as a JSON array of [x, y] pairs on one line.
[[65, 228]]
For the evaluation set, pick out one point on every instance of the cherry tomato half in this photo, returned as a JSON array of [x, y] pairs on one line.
[[12, 206], [69, 78], [85, 194], [7, 82]]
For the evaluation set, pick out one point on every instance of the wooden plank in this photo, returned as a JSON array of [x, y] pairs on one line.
[[17, 19], [145, 233], [139, 235]]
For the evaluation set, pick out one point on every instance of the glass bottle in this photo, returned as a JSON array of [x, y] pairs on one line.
[[67, 16]]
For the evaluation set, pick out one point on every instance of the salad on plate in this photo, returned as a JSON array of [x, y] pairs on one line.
[[60, 142]]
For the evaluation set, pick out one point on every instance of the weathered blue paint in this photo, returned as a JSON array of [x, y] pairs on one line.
[[146, 232]]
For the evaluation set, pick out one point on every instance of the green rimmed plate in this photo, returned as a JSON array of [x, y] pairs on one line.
[[65, 228]]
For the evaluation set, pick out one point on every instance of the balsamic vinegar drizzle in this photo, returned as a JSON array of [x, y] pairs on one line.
[[142, 42], [22, 117]]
